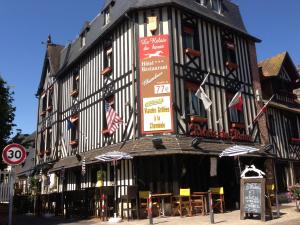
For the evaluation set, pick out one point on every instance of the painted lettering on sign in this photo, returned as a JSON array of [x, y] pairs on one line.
[[234, 135], [155, 88]]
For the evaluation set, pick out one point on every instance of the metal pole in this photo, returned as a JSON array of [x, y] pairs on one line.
[[211, 209], [11, 195], [150, 209], [276, 190], [115, 188]]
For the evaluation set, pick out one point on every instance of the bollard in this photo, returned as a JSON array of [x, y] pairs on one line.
[[211, 209], [150, 209]]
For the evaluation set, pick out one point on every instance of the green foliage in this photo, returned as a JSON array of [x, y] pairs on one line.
[[295, 190], [7, 115]]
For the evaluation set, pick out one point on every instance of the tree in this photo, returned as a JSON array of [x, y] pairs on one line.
[[7, 115]]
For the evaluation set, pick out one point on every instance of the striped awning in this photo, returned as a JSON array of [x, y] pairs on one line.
[[113, 156], [238, 150]]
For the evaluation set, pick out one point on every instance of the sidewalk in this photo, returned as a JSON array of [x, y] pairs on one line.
[[288, 217]]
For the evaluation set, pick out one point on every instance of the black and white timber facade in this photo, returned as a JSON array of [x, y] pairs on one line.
[[204, 37], [279, 78]]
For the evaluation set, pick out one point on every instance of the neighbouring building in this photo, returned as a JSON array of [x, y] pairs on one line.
[[279, 78], [145, 61]]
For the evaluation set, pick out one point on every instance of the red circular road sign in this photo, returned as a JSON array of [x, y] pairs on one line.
[[14, 154]]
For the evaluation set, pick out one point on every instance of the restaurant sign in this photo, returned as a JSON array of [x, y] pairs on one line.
[[155, 85], [233, 134]]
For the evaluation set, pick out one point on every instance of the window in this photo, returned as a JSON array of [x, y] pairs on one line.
[[42, 143], [229, 52], [50, 100], [44, 102], [271, 125], [216, 6], [235, 116], [49, 139], [108, 56], [76, 81], [291, 126], [193, 105], [202, 2], [190, 37], [75, 132], [106, 16], [83, 39]]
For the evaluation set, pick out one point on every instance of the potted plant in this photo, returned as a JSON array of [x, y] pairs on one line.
[[295, 192]]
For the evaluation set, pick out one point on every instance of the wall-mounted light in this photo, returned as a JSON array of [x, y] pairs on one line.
[[258, 96], [196, 141], [157, 143]]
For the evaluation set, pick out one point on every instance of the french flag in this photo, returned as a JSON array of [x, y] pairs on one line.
[[237, 101]]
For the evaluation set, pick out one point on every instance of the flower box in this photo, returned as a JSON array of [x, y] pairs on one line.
[[73, 143], [192, 52], [74, 93], [105, 132], [238, 125], [41, 154], [294, 141], [49, 109], [106, 71], [43, 113], [198, 119], [48, 152], [231, 65]]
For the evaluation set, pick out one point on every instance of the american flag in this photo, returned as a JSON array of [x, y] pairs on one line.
[[112, 118]]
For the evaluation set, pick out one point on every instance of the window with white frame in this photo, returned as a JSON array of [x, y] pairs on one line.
[[83, 39], [193, 105], [216, 5], [202, 2], [106, 16]]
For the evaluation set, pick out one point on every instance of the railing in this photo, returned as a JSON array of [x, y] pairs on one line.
[[4, 186], [285, 97], [294, 148]]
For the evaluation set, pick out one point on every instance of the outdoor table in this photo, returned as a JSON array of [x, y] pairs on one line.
[[203, 197], [161, 204]]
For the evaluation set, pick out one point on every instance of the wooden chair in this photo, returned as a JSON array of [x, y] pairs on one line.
[[218, 198], [182, 202], [143, 202], [132, 199], [270, 191], [198, 203]]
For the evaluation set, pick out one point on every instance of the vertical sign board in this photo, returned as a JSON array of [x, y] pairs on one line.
[[155, 85], [252, 196]]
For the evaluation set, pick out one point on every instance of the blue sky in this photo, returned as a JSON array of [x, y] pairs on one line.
[[25, 24]]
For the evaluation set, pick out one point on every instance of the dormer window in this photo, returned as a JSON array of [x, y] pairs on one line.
[[106, 16], [216, 5], [82, 39], [202, 2]]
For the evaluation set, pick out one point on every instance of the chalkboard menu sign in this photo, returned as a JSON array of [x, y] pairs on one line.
[[252, 197], [252, 200]]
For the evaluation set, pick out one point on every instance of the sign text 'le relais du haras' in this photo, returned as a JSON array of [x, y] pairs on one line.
[[155, 85]]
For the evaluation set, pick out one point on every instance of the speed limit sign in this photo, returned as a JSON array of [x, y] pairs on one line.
[[14, 154]]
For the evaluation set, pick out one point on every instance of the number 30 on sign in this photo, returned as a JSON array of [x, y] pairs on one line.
[[14, 154]]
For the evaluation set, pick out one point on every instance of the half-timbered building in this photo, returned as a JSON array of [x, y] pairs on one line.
[[279, 78], [145, 61]]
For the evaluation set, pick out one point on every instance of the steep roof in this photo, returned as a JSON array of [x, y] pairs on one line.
[[52, 58], [230, 17], [272, 66]]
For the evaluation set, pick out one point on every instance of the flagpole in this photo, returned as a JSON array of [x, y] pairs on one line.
[[205, 78], [260, 111]]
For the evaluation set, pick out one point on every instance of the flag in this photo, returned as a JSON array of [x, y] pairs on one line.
[[70, 125], [262, 110], [237, 101], [205, 99], [112, 118]]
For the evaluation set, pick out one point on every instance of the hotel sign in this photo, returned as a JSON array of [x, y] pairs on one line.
[[155, 85]]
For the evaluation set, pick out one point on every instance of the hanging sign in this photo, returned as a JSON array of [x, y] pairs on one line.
[[14, 154], [155, 85]]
